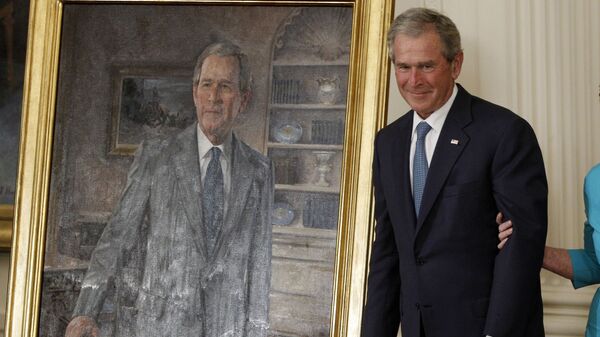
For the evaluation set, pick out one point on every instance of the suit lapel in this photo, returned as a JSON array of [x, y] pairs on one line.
[[187, 168], [450, 145], [400, 161]]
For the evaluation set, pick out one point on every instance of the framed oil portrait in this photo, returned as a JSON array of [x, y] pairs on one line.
[[110, 226]]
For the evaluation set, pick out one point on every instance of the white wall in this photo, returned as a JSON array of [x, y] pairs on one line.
[[540, 58]]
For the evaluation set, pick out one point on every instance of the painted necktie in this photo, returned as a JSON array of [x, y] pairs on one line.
[[213, 198]]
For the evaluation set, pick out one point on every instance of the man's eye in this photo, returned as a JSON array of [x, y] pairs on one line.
[[226, 87], [427, 68], [402, 68]]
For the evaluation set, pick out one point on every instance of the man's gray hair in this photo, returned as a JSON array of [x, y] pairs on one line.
[[416, 21], [226, 48]]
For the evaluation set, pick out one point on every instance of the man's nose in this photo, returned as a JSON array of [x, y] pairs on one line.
[[214, 94], [414, 77]]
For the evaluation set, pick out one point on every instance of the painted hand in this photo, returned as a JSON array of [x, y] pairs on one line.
[[82, 326]]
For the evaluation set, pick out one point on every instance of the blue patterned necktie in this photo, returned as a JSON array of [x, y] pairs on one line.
[[213, 198], [420, 166]]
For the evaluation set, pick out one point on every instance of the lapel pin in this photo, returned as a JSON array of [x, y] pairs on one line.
[[454, 141]]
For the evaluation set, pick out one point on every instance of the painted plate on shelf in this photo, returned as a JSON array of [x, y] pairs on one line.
[[283, 214], [288, 133]]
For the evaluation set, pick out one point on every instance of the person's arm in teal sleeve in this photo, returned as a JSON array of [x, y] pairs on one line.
[[578, 265]]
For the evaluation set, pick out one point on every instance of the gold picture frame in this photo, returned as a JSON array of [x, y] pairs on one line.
[[366, 101]]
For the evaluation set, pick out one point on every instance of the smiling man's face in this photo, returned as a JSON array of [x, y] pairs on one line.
[[424, 76]]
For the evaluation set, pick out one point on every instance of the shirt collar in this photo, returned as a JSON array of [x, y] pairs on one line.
[[204, 145], [437, 118]]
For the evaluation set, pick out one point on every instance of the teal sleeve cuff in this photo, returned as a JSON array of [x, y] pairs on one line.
[[586, 270]]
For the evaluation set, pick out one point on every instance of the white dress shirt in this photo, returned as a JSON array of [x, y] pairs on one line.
[[436, 121], [204, 146]]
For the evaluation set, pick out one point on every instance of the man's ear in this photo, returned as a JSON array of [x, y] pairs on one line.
[[246, 98], [457, 64], [194, 87]]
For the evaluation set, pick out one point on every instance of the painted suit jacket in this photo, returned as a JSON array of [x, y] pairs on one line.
[[182, 289]]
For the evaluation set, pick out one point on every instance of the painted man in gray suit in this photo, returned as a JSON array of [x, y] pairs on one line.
[[202, 201]]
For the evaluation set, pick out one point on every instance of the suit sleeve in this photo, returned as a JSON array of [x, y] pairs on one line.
[[260, 261], [381, 315], [521, 193], [121, 232]]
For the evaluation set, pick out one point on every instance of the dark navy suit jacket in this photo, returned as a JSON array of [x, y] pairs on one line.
[[443, 268]]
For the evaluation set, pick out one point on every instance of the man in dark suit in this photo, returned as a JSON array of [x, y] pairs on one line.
[[200, 202], [435, 269]]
